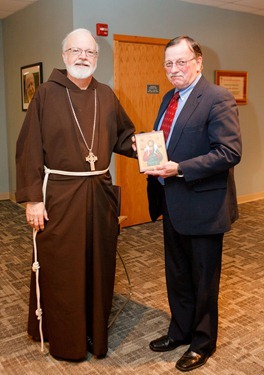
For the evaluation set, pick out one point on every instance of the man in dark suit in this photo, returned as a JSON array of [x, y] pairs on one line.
[[195, 192]]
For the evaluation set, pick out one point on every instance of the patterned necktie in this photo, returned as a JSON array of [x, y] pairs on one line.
[[169, 115]]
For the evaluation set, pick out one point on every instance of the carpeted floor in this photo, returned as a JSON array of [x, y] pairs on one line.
[[146, 316]]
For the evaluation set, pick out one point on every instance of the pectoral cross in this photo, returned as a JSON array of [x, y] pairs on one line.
[[91, 158]]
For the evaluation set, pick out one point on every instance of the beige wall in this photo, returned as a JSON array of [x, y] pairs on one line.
[[4, 181]]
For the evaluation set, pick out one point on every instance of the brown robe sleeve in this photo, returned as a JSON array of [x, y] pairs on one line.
[[29, 157], [125, 131]]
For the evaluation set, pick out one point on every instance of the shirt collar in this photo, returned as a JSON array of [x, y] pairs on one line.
[[189, 88]]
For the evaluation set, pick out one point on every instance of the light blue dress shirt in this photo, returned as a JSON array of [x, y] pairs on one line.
[[184, 95]]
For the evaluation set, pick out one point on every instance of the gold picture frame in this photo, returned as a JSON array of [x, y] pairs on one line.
[[235, 81], [151, 150]]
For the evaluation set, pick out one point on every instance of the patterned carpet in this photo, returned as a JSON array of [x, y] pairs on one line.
[[146, 316]]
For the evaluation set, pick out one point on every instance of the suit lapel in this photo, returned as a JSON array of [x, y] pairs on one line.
[[186, 112]]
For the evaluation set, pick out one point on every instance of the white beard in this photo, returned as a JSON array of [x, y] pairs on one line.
[[81, 72]]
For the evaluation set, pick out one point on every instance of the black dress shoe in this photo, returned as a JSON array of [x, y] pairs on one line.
[[165, 344], [191, 360]]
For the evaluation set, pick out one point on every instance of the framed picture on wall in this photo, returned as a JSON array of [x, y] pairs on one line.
[[31, 78], [235, 82]]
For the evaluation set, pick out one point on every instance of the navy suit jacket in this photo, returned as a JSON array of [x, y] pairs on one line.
[[206, 142]]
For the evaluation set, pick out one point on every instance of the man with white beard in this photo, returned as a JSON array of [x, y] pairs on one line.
[[72, 127]]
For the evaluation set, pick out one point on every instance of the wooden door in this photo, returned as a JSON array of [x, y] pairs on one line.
[[140, 83]]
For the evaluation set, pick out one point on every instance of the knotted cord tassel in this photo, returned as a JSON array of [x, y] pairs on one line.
[[39, 313], [35, 268]]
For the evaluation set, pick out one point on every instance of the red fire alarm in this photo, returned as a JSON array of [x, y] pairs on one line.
[[101, 29]]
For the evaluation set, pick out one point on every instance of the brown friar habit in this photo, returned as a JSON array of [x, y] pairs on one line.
[[77, 249]]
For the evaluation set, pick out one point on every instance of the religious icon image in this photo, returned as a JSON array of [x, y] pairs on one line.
[[151, 150]]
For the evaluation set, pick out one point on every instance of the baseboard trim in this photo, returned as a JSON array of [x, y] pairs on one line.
[[250, 197], [4, 196]]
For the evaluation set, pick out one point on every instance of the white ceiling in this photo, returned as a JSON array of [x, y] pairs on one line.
[[246, 6], [8, 7]]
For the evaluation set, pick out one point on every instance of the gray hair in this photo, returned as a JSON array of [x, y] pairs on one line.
[[193, 45], [88, 32]]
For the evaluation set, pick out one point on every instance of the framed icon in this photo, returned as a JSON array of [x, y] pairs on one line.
[[151, 150]]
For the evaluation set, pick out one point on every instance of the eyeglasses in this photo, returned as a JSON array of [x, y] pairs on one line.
[[179, 63], [78, 51]]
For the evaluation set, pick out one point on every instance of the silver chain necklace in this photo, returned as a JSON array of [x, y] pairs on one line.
[[91, 158]]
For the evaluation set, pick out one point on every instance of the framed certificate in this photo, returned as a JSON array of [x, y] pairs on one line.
[[151, 150], [235, 82]]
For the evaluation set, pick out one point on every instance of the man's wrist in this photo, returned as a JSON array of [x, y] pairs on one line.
[[179, 172]]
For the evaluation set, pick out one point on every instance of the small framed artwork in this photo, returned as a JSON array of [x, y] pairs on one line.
[[31, 78], [151, 150], [235, 82]]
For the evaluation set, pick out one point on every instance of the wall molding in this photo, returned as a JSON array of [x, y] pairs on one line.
[[250, 197], [4, 196]]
